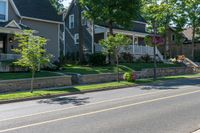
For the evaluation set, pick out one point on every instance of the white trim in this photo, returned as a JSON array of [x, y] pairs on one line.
[[58, 40], [10, 30], [76, 37], [15, 8], [139, 34], [64, 41], [139, 22], [6, 12], [71, 20], [42, 20], [13, 21]]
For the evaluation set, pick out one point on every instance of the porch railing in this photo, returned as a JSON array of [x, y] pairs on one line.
[[7, 57]]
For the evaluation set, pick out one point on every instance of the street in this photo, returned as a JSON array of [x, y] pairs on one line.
[[165, 107]]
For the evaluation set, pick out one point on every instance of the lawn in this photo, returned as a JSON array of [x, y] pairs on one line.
[[112, 69], [42, 93], [22, 75]]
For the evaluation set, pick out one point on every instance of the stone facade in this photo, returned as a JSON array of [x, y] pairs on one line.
[[39, 83]]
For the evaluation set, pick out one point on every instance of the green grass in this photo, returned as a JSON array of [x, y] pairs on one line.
[[41, 93], [112, 69], [22, 75]]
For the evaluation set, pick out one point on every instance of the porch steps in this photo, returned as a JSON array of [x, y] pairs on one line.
[[190, 63]]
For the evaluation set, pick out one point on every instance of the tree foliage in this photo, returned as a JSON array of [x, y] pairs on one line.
[[57, 4], [119, 12], [31, 49]]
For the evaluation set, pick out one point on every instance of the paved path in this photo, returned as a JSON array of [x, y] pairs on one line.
[[168, 107]]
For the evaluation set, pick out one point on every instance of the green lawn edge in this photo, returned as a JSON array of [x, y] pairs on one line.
[[84, 88]]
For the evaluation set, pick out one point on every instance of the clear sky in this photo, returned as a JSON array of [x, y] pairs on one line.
[[66, 2]]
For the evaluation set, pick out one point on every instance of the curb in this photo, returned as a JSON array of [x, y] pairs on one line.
[[66, 94]]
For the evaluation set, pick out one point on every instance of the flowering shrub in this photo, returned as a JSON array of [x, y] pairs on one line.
[[130, 76]]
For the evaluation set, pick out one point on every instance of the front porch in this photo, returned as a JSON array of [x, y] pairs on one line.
[[138, 47], [7, 43]]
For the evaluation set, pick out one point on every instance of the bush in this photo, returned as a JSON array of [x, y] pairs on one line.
[[130, 76], [126, 58], [97, 59]]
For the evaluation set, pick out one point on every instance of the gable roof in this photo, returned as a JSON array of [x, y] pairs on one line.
[[13, 24], [38, 9]]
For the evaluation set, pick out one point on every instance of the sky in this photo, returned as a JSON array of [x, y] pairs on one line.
[[66, 2]]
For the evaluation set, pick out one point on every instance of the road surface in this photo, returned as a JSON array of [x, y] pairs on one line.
[[167, 107]]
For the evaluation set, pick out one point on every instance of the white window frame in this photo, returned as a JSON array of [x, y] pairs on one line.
[[76, 38], [6, 18], [83, 19], [71, 21]]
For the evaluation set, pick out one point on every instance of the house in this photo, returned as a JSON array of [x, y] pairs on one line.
[[37, 15], [184, 47], [91, 41]]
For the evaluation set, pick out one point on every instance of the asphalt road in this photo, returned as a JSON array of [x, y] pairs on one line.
[[168, 107]]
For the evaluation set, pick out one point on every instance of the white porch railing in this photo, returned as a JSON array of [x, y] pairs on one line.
[[140, 50], [5, 57]]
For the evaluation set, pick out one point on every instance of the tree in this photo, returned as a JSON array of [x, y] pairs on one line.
[[112, 12], [113, 44], [119, 12], [57, 4], [33, 54], [191, 9]]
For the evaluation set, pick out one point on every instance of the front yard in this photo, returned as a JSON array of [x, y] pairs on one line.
[[82, 88], [23, 75], [113, 69]]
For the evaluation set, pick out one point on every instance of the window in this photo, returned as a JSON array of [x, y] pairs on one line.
[[173, 37], [76, 38], [71, 21], [83, 19], [3, 10]]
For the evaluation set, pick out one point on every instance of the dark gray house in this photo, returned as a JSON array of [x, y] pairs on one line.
[[91, 42], [38, 15]]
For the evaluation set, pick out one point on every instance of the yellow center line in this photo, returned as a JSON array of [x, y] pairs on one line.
[[99, 111]]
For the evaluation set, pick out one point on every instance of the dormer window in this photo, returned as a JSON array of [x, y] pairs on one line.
[[3, 10]]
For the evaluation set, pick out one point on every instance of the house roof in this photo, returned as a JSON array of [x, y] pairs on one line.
[[39, 9], [14, 24]]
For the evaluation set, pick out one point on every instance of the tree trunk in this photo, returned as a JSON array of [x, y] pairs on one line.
[[81, 42], [32, 80], [193, 41], [111, 33], [117, 60], [154, 51]]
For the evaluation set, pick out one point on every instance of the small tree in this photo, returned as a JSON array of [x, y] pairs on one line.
[[33, 54], [113, 44]]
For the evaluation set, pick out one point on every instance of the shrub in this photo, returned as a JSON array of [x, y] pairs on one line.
[[126, 57], [130, 76], [97, 59], [146, 58]]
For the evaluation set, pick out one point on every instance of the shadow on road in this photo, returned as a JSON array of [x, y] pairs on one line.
[[173, 84], [66, 100]]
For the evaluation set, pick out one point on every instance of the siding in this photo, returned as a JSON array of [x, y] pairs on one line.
[[49, 31]]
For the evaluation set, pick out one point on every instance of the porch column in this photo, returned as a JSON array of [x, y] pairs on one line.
[[93, 33], [105, 34], [133, 44]]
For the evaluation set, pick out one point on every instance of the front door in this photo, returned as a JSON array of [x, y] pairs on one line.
[[2, 43]]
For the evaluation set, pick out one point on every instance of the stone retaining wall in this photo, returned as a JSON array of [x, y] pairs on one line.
[[145, 73], [24, 84]]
